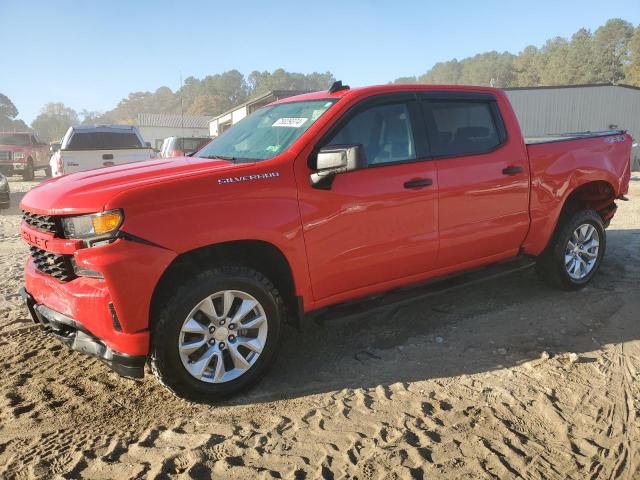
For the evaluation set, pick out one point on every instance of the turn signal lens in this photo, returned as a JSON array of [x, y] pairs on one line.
[[106, 223]]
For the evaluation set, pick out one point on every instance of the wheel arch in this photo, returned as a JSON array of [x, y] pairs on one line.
[[594, 195], [260, 255], [597, 195]]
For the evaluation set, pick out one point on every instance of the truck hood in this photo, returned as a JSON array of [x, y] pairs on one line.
[[86, 192]]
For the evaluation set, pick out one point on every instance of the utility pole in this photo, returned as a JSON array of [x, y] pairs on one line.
[[181, 105]]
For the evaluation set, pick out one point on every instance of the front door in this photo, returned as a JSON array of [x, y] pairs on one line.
[[379, 223]]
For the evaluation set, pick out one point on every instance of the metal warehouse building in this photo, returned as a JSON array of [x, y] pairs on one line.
[[578, 108], [155, 127]]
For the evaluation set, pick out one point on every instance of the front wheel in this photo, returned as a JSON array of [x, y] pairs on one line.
[[575, 252], [217, 334]]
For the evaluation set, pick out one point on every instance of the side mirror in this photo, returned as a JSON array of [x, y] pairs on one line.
[[334, 159]]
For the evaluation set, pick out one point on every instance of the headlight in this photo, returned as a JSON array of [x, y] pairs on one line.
[[18, 155], [103, 224]]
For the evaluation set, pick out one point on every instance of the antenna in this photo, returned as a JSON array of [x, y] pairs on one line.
[[337, 86]]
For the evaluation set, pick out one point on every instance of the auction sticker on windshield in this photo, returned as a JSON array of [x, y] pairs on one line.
[[290, 122]]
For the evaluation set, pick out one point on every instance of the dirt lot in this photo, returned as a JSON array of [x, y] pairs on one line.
[[455, 386]]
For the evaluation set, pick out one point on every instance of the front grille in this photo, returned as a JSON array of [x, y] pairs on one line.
[[48, 223], [58, 266], [5, 155]]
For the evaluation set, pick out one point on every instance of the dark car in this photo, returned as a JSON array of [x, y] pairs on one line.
[[180, 146], [5, 201]]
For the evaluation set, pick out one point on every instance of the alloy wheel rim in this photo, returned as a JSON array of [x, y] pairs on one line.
[[223, 336], [581, 253]]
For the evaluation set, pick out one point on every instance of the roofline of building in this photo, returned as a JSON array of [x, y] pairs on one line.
[[140, 115], [257, 99], [585, 85]]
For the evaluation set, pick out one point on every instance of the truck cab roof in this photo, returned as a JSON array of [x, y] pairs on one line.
[[381, 89], [103, 128]]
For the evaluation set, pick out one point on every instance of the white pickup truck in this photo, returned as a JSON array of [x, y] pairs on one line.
[[86, 147]]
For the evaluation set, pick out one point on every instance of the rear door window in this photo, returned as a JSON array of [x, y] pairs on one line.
[[461, 127], [103, 141]]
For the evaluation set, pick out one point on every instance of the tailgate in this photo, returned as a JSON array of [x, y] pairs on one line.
[[81, 160]]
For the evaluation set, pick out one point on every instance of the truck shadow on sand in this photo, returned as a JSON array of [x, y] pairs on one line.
[[478, 328]]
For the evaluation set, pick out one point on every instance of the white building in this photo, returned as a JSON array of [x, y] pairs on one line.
[[578, 108], [155, 127], [219, 124]]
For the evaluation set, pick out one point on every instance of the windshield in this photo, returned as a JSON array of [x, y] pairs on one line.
[[267, 132], [22, 140], [192, 144]]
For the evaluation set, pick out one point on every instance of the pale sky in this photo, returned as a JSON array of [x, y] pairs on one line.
[[90, 55]]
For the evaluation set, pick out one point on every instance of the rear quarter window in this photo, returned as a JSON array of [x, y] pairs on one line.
[[103, 140]]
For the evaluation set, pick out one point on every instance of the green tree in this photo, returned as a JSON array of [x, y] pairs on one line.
[[611, 54], [554, 62], [632, 70], [580, 61], [610, 49], [90, 117], [406, 80], [443, 73], [527, 67], [206, 105], [54, 120], [491, 68], [7, 108], [262, 82], [8, 114]]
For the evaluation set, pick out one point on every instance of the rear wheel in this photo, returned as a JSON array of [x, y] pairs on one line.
[[217, 334], [575, 252], [28, 174]]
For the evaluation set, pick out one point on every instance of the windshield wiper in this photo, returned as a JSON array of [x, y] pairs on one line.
[[220, 157]]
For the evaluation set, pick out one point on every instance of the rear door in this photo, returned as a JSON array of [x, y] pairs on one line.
[[483, 177], [377, 224]]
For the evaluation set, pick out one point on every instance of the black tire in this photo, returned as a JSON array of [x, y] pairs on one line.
[[550, 265], [165, 359], [47, 171], [28, 175]]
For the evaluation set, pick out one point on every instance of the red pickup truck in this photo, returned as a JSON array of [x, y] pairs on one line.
[[23, 153], [195, 263]]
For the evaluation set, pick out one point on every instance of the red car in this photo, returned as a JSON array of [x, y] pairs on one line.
[[23, 153], [195, 263]]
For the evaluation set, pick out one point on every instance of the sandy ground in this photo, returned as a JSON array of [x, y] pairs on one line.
[[455, 386]]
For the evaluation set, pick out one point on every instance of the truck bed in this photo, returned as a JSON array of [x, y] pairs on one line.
[[563, 137]]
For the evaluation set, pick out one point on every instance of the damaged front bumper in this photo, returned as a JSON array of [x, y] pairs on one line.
[[77, 337]]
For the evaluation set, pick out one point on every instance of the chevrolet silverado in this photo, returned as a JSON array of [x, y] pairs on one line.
[[194, 264]]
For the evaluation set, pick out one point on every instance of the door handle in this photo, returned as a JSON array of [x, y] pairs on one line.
[[418, 182], [107, 156], [512, 170]]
